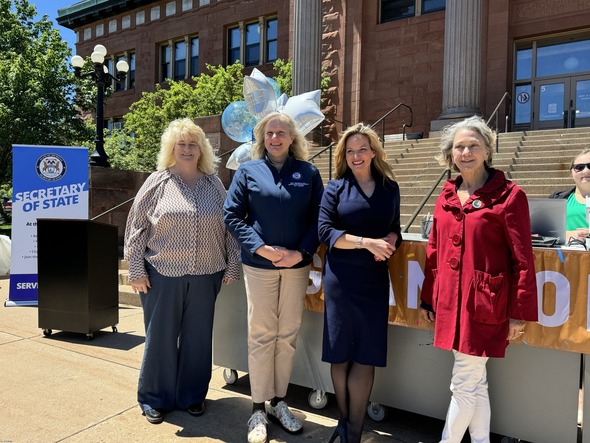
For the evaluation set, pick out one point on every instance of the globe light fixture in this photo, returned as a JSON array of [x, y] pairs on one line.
[[101, 77]]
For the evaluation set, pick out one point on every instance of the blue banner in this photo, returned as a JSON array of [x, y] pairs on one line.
[[47, 182]]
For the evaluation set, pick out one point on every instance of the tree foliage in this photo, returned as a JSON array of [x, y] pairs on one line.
[[36, 86], [136, 146]]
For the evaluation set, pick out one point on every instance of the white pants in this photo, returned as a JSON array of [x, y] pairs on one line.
[[275, 306], [470, 404]]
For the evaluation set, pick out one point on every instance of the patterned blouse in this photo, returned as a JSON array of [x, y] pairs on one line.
[[178, 230]]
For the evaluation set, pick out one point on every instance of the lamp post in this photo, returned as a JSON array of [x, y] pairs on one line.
[[101, 76]]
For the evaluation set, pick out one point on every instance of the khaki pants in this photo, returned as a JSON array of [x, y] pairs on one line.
[[275, 306]]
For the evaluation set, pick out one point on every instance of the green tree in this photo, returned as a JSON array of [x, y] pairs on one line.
[[36, 86], [136, 146]]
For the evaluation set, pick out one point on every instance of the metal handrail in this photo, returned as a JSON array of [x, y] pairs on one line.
[[382, 121], [446, 172], [494, 115], [113, 208]]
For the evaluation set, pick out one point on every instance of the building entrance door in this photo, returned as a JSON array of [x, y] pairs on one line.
[[562, 103]]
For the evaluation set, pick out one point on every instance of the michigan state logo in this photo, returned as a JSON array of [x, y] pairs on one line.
[[50, 167]]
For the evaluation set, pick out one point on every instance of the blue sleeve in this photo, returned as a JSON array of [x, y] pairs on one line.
[[310, 240], [235, 211], [328, 216]]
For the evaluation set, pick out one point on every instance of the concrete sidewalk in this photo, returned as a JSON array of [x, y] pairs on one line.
[[65, 388]]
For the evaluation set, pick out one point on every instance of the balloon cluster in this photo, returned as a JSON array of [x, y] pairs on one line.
[[262, 96]]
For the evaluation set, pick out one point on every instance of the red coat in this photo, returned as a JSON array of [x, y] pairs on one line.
[[480, 267]]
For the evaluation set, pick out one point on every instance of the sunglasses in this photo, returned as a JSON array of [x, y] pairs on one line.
[[579, 167]]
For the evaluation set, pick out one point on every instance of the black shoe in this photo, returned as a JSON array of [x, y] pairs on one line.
[[153, 416], [340, 432], [197, 409]]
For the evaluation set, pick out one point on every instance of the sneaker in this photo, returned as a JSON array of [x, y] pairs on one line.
[[283, 416], [257, 427]]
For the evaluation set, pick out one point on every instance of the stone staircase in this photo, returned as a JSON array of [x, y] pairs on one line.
[[126, 294], [538, 161]]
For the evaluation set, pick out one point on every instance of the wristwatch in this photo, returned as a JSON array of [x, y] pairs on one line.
[[306, 256]]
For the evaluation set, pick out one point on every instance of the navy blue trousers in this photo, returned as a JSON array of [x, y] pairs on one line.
[[178, 317]]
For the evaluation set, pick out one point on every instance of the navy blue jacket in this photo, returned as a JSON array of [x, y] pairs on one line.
[[267, 207]]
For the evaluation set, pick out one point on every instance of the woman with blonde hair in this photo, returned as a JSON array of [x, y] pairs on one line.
[[179, 254], [359, 222], [272, 210]]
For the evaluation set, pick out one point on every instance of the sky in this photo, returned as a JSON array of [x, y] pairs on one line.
[[50, 7]]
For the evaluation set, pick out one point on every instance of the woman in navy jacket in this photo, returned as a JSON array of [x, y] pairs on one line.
[[359, 222], [272, 210]]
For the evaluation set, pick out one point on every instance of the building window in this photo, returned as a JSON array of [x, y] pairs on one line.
[[170, 8], [108, 62], [164, 62], [111, 64], [398, 9], [194, 56], [99, 30], [234, 45], [87, 34], [120, 86], [432, 5], [183, 52], [204, 2], [252, 56], [155, 13], [246, 43], [179, 60], [113, 26], [131, 73], [271, 40], [126, 22], [139, 18], [187, 5]]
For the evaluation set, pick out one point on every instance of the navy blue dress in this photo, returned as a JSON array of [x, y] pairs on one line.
[[356, 287]]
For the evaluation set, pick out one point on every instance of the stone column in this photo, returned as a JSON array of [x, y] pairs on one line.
[[307, 41], [462, 60]]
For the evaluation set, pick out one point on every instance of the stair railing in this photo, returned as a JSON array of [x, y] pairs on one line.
[[494, 116], [447, 173], [382, 121]]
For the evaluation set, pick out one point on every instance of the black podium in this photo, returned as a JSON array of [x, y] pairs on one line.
[[78, 275]]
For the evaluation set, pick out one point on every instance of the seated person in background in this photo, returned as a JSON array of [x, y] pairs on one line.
[[576, 222]]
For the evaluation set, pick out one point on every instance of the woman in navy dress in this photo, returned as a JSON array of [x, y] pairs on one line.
[[359, 222]]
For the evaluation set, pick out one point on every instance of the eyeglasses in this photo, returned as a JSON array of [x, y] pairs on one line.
[[579, 167]]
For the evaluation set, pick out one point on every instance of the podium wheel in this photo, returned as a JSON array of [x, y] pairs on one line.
[[90, 336], [47, 332], [115, 329], [230, 376], [376, 411], [317, 399]]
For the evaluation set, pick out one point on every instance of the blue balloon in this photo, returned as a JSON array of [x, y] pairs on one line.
[[275, 86], [237, 122]]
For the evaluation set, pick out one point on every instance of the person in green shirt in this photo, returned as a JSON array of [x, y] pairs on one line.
[[576, 221]]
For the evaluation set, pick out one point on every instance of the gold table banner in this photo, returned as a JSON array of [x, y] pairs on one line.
[[562, 284]]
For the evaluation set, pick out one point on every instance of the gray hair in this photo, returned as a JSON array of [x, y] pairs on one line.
[[476, 124]]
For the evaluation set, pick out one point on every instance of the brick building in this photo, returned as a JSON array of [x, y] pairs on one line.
[[444, 59]]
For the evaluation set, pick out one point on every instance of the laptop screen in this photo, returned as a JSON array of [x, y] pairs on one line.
[[548, 218]]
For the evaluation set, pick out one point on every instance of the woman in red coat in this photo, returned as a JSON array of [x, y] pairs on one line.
[[480, 282]]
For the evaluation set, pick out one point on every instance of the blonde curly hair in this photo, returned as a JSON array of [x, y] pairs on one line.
[[186, 129]]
